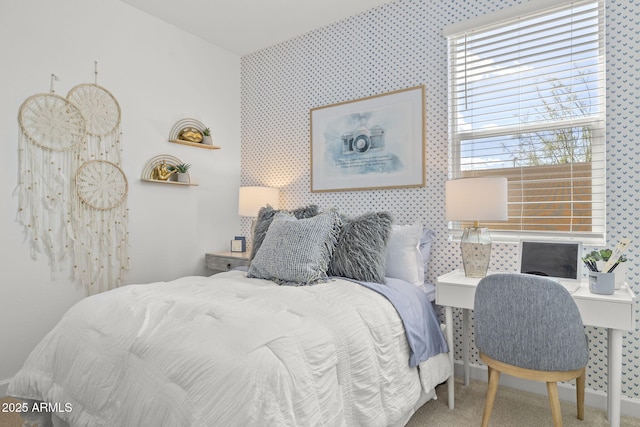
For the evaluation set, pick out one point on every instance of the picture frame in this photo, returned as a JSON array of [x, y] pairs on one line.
[[236, 246], [369, 143], [239, 244], [243, 241]]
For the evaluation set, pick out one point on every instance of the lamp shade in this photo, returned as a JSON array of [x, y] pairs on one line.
[[477, 199], [251, 199]]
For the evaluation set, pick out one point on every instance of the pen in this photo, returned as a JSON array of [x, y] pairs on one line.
[[591, 265], [613, 267], [617, 253]]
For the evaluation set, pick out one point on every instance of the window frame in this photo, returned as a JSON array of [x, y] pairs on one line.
[[505, 18]]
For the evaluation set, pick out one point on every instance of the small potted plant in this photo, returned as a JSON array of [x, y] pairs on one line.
[[206, 137], [182, 169], [173, 172]]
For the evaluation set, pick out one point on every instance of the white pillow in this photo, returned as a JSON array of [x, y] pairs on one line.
[[404, 259], [426, 244]]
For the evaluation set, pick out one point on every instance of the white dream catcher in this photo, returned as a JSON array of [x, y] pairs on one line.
[[100, 211], [102, 114], [51, 132], [89, 220], [101, 246]]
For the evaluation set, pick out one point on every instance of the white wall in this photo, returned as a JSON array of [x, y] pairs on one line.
[[159, 75]]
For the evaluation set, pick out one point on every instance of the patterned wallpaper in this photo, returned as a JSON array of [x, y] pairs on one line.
[[400, 45]]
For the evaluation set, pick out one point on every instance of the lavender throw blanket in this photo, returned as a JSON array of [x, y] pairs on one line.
[[418, 316]]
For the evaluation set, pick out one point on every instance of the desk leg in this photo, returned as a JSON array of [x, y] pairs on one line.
[[465, 344], [614, 375], [448, 317]]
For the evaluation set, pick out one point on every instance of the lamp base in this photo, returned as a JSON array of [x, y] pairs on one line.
[[475, 246]]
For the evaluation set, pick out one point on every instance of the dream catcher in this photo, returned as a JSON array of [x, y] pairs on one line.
[[92, 185], [101, 187], [51, 132], [100, 214], [102, 114]]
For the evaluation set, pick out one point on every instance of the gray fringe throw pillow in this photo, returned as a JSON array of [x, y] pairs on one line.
[[297, 251], [265, 216], [361, 250]]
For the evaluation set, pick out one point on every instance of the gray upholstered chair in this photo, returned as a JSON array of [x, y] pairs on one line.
[[530, 327]]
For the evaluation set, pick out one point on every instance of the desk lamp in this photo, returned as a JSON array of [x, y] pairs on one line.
[[476, 199]]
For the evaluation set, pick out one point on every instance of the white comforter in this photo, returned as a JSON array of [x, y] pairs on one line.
[[227, 350]]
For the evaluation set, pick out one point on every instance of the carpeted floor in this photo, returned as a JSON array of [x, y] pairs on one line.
[[9, 419], [513, 408]]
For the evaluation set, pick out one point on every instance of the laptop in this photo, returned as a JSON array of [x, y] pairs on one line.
[[560, 261]]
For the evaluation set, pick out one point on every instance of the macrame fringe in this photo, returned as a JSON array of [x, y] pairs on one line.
[[101, 255], [43, 200]]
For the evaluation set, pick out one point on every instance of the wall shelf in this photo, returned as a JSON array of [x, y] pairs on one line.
[[169, 182], [148, 174], [195, 129], [195, 144]]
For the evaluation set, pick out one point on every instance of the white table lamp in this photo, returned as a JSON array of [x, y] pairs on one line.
[[476, 199], [251, 199]]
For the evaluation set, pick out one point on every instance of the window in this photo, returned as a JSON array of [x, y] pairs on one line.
[[527, 101]]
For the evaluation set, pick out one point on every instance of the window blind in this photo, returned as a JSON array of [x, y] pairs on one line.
[[527, 101]]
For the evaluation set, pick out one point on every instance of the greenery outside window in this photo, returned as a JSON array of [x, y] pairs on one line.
[[527, 101]]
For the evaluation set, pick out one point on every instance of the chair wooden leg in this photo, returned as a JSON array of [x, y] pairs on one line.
[[494, 379], [580, 394], [554, 401]]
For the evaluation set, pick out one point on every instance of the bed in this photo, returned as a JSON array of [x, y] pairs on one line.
[[242, 348]]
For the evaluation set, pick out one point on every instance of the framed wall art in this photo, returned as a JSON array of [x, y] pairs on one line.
[[369, 143]]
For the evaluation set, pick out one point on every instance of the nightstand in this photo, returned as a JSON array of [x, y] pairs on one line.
[[225, 261]]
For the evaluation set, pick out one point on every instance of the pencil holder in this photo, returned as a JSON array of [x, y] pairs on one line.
[[602, 283], [620, 272]]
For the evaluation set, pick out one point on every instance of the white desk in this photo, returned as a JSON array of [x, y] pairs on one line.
[[615, 312]]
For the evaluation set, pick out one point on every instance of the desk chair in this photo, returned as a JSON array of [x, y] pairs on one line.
[[530, 327]]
